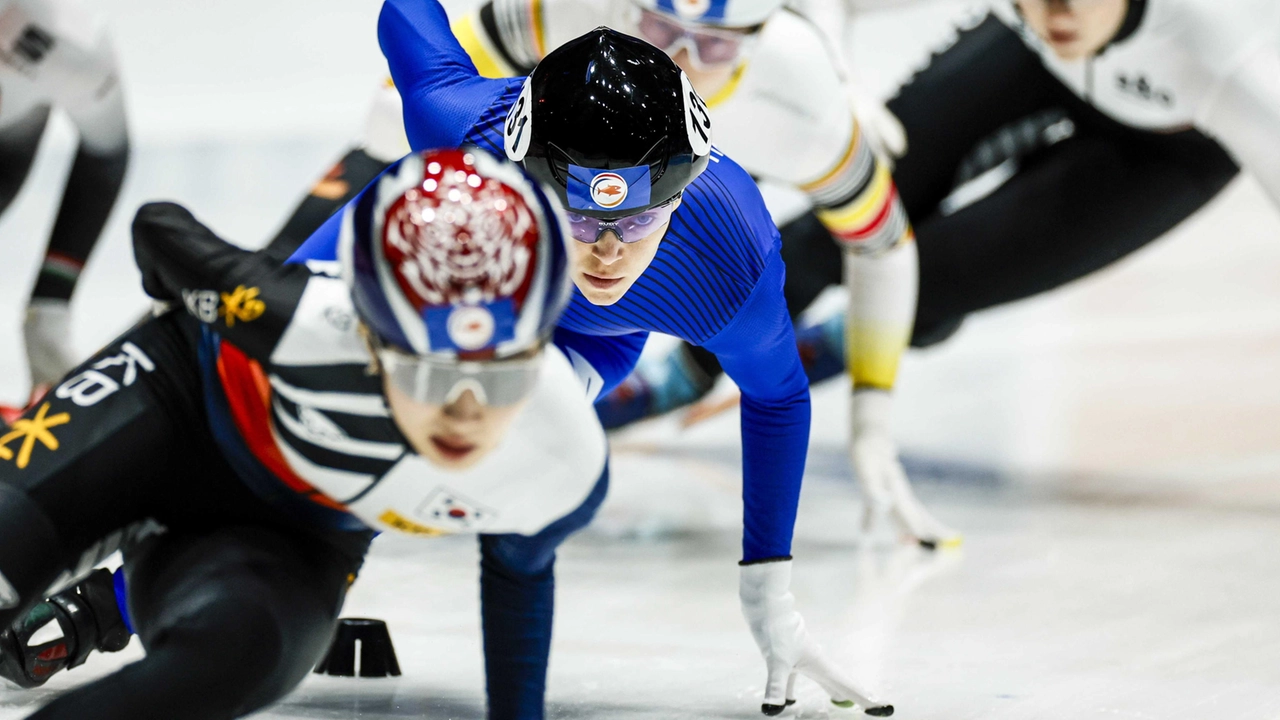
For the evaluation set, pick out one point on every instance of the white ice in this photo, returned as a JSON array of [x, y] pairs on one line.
[[1111, 451]]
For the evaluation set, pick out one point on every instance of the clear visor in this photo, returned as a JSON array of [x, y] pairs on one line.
[[708, 47], [430, 381]]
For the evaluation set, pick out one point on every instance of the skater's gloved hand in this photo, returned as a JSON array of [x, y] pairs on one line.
[[885, 488], [769, 607]]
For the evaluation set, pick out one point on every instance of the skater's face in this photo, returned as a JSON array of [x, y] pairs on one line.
[[706, 80], [606, 269], [1074, 29], [455, 435], [708, 54]]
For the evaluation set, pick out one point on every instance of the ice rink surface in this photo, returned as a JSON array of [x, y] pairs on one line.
[[1111, 451]]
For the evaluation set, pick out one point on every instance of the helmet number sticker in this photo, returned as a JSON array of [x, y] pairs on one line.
[[697, 119], [518, 133]]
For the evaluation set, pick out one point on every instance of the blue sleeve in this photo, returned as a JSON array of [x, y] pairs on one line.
[[122, 598], [517, 603], [323, 243], [758, 350], [601, 361], [442, 91]]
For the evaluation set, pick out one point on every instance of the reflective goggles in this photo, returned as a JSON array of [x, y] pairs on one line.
[[629, 229], [430, 381], [708, 47]]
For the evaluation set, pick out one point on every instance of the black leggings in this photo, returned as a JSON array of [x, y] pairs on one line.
[[92, 187], [1072, 208], [234, 604], [342, 182]]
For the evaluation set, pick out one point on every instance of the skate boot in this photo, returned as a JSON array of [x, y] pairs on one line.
[[656, 387], [60, 632], [9, 414]]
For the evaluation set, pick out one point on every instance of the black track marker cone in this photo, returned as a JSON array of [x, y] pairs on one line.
[[377, 655]]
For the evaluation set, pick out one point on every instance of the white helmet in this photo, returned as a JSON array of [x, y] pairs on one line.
[[723, 13]]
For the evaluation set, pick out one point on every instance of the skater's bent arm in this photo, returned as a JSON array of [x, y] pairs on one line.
[[517, 598], [496, 52], [858, 203], [601, 362], [443, 93], [247, 297], [758, 350]]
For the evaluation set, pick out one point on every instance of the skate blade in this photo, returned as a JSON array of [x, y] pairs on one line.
[[947, 543]]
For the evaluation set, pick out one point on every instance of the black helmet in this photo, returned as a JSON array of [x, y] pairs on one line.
[[611, 123]]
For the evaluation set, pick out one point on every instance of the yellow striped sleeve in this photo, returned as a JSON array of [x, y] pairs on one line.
[[539, 37], [479, 47], [874, 353], [864, 209]]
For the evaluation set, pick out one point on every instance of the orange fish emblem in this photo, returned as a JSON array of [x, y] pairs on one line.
[[608, 190]]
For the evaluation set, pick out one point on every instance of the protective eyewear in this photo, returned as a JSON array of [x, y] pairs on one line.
[[495, 383], [708, 46], [629, 229]]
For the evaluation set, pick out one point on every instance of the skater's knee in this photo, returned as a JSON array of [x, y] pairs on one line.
[[231, 656], [222, 665]]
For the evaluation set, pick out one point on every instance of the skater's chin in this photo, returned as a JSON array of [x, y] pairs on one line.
[[603, 289], [454, 451]]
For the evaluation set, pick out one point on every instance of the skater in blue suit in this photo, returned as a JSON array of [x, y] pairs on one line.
[[672, 237]]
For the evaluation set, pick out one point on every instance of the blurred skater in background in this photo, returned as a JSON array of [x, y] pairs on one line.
[[55, 54], [1053, 137]]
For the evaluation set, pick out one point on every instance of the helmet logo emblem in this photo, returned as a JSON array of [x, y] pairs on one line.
[[692, 9], [609, 190], [471, 327]]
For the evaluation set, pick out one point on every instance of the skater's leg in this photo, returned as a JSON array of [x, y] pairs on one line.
[[1074, 208], [90, 459], [985, 80], [18, 145], [343, 181], [231, 619]]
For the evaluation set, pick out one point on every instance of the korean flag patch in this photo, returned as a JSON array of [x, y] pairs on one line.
[[453, 512]]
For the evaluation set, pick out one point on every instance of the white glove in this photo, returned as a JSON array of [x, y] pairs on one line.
[[883, 480], [769, 607]]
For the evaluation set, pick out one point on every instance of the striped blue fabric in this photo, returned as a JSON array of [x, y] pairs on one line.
[[716, 280]]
